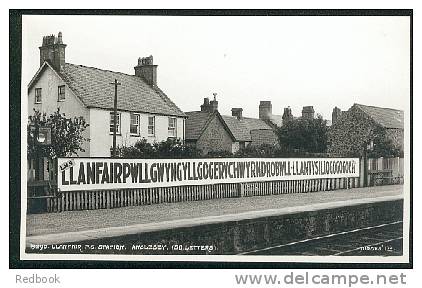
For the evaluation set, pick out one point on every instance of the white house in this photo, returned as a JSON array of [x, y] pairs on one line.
[[144, 110]]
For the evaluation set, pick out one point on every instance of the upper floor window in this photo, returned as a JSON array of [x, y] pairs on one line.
[[112, 123], [61, 93], [151, 125], [134, 124], [172, 127], [38, 97]]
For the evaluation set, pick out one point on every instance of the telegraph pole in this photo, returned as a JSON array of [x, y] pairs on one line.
[[115, 83]]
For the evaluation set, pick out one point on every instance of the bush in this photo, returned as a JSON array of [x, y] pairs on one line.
[[219, 154], [262, 151], [171, 148]]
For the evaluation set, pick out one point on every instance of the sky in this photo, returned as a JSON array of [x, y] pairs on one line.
[[291, 61]]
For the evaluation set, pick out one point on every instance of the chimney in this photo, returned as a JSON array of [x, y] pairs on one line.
[[147, 70], [214, 103], [335, 115], [308, 112], [206, 106], [237, 112], [53, 51], [265, 110], [287, 115], [210, 106]]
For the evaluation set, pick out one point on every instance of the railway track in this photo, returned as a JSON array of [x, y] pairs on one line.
[[381, 240]]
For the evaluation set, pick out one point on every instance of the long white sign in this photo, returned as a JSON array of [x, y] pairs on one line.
[[106, 173]]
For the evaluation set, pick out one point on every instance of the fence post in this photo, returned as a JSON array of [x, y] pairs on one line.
[[240, 190]]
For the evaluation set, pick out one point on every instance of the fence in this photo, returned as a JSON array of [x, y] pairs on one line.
[[106, 199], [385, 171]]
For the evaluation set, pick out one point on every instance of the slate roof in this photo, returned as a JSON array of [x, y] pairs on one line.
[[196, 123], [386, 117], [240, 129], [92, 86]]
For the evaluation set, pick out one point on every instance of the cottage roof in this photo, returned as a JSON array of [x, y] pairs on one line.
[[386, 117], [92, 86], [196, 123], [239, 129]]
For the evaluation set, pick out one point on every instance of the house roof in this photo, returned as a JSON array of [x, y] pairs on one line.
[[196, 123], [92, 86], [240, 130], [386, 117]]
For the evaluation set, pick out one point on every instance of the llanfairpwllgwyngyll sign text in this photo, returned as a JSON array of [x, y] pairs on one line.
[[105, 173]]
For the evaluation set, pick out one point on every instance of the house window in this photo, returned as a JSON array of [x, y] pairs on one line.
[[61, 93], [172, 127], [38, 95], [112, 123], [151, 125], [134, 124]]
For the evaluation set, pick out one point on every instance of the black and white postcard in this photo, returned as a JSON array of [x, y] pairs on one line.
[[216, 136]]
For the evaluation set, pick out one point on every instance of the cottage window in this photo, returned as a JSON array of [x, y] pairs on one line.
[[172, 127], [38, 97], [112, 123], [61, 93], [151, 125], [134, 124]]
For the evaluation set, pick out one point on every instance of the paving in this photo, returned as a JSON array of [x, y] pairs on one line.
[[182, 213]]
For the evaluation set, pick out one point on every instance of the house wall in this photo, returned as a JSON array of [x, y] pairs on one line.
[[71, 106], [348, 135], [260, 137], [396, 136], [102, 139], [235, 147], [215, 138]]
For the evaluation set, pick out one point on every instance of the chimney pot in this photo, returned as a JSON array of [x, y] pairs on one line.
[[237, 112]]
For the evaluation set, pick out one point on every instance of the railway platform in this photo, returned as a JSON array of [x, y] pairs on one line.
[[79, 226]]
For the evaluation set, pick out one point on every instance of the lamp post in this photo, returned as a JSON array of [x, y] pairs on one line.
[[115, 83], [42, 137]]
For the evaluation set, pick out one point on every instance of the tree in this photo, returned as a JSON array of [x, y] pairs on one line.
[[66, 135], [304, 135]]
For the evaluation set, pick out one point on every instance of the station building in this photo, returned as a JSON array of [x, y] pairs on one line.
[[144, 110]]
